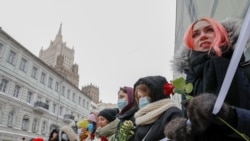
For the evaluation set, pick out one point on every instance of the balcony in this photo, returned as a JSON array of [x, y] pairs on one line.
[[68, 118], [41, 107]]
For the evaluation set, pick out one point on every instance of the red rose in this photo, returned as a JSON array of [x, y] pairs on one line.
[[104, 139], [168, 89]]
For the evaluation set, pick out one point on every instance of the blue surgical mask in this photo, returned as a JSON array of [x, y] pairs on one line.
[[122, 103], [143, 102], [90, 127]]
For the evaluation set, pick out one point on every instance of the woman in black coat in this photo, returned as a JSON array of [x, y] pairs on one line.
[[156, 109], [204, 60], [209, 48]]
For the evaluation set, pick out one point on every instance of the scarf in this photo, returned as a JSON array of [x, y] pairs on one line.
[[151, 112], [107, 130]]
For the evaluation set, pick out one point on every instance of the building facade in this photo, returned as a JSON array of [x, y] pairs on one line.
[[34, 98]]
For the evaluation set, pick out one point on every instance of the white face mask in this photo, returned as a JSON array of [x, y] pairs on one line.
[[122, 103], [79, 130], [143, 102]]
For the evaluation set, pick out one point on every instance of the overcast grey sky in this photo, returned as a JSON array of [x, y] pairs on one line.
[[116, 42]]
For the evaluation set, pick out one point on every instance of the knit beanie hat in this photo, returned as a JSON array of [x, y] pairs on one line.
[[109, 114], [92, 117], [155, 84]]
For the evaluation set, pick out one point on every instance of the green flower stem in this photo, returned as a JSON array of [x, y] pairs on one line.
[[245, 137]]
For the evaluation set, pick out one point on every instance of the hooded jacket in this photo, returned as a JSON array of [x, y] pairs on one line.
[[207, 71], [152, 118]]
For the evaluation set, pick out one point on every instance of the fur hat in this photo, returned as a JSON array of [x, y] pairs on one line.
[[109, 114], [155, 84], [92, 117]]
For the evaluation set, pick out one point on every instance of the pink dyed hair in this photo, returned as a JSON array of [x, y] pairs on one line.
[[221, 35]]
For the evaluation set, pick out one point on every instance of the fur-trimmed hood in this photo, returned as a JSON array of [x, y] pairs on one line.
[[180, 61]]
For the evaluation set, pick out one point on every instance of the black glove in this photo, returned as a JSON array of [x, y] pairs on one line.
[[200, 120], [178, 130], [199, 111]]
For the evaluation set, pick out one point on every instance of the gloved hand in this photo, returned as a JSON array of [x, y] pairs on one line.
[[199, 111], [200, 118], [178, 130]]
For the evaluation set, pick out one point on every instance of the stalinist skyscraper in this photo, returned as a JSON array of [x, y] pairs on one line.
[[61, 58]]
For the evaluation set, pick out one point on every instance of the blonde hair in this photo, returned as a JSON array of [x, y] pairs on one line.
[[221, 35]]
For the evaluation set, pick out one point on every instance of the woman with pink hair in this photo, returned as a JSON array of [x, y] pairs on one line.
[[209, 46]]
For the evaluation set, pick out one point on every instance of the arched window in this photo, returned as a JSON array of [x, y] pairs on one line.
[[25, 122]]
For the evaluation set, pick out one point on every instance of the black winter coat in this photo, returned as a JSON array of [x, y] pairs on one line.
[[155, 131], [128, 115], [207, 73]]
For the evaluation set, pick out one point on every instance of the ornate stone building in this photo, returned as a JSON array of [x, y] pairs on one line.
[[61, 58], [34, 98]]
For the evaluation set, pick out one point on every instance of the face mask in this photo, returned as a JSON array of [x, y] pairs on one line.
[[122, 103], [79, 130], [90, 127], [143, 102], [64, 137]]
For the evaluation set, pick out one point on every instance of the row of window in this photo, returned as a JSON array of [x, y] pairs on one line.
[[30, 97], [12, 57], [27, 124]]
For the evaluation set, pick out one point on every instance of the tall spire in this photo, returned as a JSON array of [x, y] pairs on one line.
[[58, 39], [60, 30]]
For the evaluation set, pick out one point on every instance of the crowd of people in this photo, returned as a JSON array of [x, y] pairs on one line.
[[154, 116]]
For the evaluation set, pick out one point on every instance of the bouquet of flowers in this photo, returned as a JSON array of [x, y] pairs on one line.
[[126, 131]]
